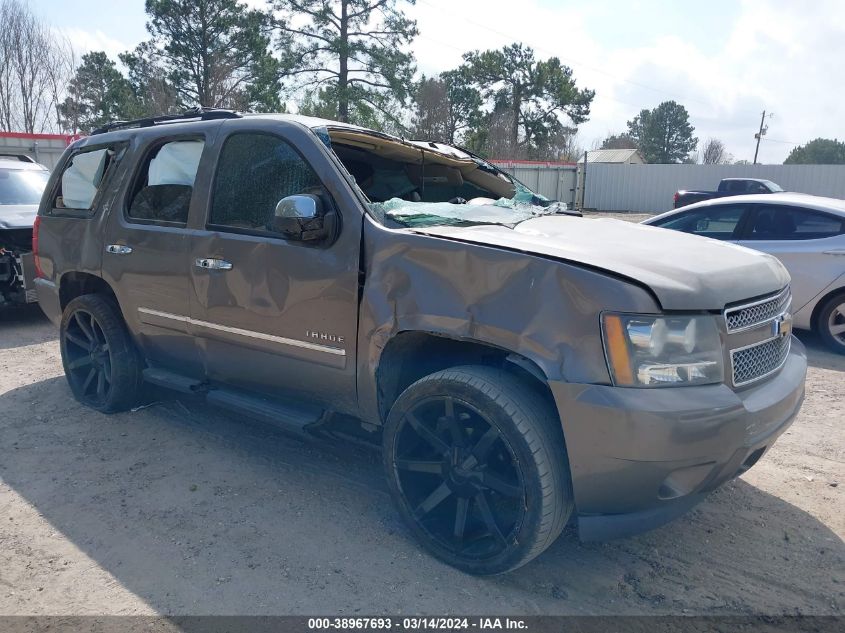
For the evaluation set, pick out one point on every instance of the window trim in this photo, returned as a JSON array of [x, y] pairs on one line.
[[747, 235], [142, 166], [119, 148], [223, 228], [736, 234]]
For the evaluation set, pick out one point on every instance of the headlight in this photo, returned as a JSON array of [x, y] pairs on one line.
[[650, 351]]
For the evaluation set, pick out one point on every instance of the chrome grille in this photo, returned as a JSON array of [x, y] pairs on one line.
[[759, 360], [752, 314]]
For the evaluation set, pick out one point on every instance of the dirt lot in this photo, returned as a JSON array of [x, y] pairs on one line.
[[180, 509]]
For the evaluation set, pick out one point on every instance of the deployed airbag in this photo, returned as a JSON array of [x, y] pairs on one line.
[[80, 180], [176, 164]]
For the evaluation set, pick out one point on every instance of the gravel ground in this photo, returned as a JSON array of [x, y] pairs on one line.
[[180, 509]]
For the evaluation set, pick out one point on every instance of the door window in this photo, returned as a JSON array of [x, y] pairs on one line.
[[162, 193], [715, 222], [81, 179], [254, 172], [790, 223]]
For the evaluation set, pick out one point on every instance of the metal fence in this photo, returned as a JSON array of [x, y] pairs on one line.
[[650, 188], [556, 181], [43, 148]]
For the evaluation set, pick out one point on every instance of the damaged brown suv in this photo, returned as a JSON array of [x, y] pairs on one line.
[[522, 367]]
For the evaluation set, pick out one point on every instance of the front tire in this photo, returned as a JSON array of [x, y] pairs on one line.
[[100, 361], [476, 463], [831, 323]]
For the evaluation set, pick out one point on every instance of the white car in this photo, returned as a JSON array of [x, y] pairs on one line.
[[807, 233], [22, 181]]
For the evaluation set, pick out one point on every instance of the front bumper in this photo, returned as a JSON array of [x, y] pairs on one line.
[[641, 457]]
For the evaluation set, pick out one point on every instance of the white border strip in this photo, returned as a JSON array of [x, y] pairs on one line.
[[248, 333]]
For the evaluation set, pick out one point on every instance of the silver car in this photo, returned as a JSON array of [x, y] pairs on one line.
[[807, 233]]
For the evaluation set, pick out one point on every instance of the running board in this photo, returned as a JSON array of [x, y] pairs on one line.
[[286, 415], [172, 380]]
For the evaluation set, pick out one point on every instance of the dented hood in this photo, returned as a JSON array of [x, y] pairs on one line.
[[685, 272], [17, 216]]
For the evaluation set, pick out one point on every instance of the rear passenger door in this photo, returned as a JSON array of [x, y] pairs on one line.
[[801, 239], [273, 314], [146, 251]]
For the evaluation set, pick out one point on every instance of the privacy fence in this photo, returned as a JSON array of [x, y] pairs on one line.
[[556, 181], [650, 188], [43, 148]]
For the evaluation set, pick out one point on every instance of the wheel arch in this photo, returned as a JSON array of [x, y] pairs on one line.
[[410, 354], [75, 284], [817, 309]]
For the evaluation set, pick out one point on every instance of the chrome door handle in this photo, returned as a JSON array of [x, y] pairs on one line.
[[837, 251], [213, 264], [118, 249]]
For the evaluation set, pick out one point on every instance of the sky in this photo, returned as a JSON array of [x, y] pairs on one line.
[[725, 60]]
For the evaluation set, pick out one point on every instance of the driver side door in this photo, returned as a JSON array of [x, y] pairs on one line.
[[273, 312]]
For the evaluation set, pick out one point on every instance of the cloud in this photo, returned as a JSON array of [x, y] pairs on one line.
[[725, 61], [86, 41], [776, 55]]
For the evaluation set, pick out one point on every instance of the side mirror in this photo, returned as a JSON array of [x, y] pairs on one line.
[[702, 225], [303, 218]]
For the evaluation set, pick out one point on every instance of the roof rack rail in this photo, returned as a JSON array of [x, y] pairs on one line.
[[200, 113], [21, 157]]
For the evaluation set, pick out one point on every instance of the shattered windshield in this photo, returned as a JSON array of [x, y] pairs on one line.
[[524, 205], [418, 184]]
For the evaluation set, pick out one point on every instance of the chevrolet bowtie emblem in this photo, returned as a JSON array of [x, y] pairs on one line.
[[782, 326]]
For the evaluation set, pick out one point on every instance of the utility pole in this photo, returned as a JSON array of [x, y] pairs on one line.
[[761, 134]]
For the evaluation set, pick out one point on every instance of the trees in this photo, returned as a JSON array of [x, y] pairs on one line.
[[664, 134], [153, 94], [431, 110], [714, 152], [820, 151], [350, 50], [35, 64], [446, 107], [97, 94], [529, 95], [618, 141], [323, 103], [214, 53]]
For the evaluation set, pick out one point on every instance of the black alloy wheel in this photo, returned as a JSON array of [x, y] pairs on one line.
[[100, 361], [476, 464], [460, 477], [89, 363]]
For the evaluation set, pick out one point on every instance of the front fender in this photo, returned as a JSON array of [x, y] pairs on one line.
[[544, 310]]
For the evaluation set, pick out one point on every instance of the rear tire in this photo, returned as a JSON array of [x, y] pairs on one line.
[[831, 323], [476, 463], [101, 363]]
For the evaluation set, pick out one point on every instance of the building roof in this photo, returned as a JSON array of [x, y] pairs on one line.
[[613, 156]]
